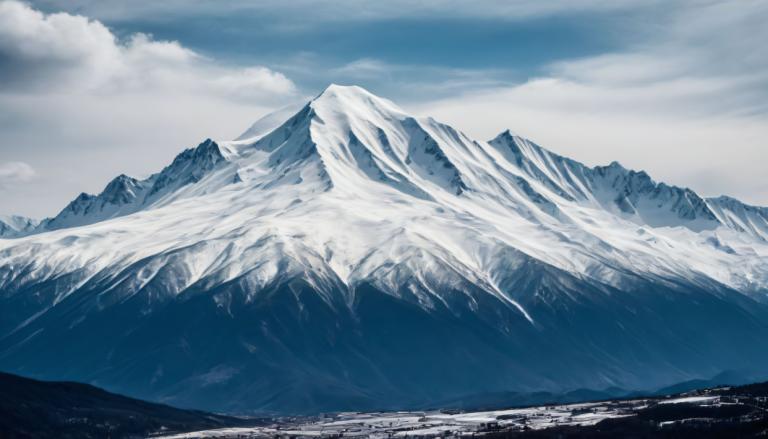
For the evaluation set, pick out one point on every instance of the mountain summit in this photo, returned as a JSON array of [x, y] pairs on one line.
[[353, 256]]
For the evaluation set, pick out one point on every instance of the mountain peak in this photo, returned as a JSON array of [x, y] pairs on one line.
[[616, 165], [335, 92], [506, 134], [353, 99], [333, 89]]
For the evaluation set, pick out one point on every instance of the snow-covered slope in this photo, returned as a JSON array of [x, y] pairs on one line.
[[626, 193], [734, 214], [267, 124], [333, 261]]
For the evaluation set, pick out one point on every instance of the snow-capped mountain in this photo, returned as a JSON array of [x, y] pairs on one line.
[[12, 226], [354, 256], [623, 192]]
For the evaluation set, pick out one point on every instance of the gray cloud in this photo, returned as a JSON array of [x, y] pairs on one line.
[[13, 173], [305, 11]]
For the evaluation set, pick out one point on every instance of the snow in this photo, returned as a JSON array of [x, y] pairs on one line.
[[691, 400], [415, 424], [266, 124], [352, 186]]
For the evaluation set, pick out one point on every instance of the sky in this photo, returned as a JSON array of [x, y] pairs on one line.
[[90, 89]]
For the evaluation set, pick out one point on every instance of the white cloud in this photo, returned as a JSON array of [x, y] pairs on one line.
[[82, 105], [364, 68], [73, 54], [12, 173]]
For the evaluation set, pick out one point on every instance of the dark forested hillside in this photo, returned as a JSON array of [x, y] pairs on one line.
[[40, 409]]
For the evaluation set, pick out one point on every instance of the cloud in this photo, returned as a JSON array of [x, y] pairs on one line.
[[364, 68], [67, 53], [323, 11], [15, 172], [83, 105], [710, 59], [687, 103]]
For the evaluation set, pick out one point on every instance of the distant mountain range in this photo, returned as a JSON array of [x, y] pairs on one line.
[[352, 256], [15, 226]]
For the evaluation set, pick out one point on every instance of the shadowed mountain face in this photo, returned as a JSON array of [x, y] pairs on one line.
[[38, 409], [357, 257]]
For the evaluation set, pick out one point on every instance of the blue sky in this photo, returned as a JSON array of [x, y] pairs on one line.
[[424, 46], [91, 89]]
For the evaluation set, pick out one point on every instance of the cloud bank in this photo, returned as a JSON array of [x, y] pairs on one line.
[[73, 54], [83, 104]]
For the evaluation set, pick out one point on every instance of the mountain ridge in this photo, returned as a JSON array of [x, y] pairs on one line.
[[117, 192]]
